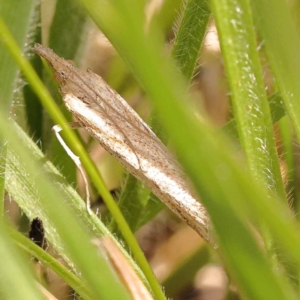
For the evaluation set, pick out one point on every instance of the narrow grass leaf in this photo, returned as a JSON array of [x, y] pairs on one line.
[[33, 107], [48, 261], [282, 43], [190, 36], [251, 109], [18, 15], [17, 280], [67, 31]]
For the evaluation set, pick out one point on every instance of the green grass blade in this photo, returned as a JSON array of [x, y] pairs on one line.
[[288, 155], [17, 282], [277, 112], [282, 44], [251, 110], [18, 15], [131, 202], [190, 36], [67, 29], [164, 18], [48, 261], [33, 107], [276, 107], [250, 104], [2, 177], [152, 208]]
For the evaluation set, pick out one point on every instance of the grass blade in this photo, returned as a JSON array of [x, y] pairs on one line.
[[16, 281], [281, 42], [18, 13], [190, 36], [48, 261], [33, 107], [251, 109]]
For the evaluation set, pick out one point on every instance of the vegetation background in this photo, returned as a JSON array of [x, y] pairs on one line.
[[226, 103]]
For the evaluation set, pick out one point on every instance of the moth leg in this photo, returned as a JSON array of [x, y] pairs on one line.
[[57, 129]]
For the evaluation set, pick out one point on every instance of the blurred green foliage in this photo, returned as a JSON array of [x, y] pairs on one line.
[[241, 187]]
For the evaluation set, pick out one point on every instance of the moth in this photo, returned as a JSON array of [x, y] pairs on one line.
[[119, 129]]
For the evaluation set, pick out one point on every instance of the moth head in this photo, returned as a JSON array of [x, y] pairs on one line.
[[60, 76]]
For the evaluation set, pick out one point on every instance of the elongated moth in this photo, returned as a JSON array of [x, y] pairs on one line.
[[119, 129]]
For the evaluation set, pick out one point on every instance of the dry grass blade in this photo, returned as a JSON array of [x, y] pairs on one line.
[[125, 272]]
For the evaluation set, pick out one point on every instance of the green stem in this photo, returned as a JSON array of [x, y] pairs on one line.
[[48, 261]]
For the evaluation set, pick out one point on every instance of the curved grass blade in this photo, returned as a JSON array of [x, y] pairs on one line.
[[48, 261], [17, 281], [282, 43]]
